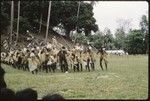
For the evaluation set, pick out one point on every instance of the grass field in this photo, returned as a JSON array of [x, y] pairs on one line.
[[126, 78]]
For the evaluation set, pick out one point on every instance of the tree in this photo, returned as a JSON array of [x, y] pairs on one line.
[[108, 38], [4, 18], [86, 20], [144, 29], [97, 40], [18, 21], [119, 38], [48, 18], [41, 16], [12, 20], [62, 12], [78, 13], [125, 24], [93, 2], [80, 38], [67, 11], [144, 24], [134, 42]]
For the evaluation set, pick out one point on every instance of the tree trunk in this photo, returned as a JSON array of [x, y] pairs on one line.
[[18, 21], [147, 48], [11, 23], [87, 32], [40, 14], [78, 14], [48, 19], [40, 23], [68, 33]]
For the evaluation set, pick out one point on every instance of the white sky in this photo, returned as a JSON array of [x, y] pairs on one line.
[[107, 13]]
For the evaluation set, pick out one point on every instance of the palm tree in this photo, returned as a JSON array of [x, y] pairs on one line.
[[18, 21], [48, 18]]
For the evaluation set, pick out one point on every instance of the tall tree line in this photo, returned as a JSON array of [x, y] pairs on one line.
[[135, 41], [32, 13]]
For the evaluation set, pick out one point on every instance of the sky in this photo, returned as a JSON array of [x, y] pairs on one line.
[[109, 13]]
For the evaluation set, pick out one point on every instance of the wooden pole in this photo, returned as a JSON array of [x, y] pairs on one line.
[[48, 19]]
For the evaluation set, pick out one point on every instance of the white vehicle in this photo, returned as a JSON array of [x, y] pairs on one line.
[[116, 52]]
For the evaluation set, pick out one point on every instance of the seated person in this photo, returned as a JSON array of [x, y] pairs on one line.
[[27, 94], [2, 81], [7, 95], [53, 97]]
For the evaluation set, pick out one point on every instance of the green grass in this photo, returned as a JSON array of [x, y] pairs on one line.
[[126, 78]]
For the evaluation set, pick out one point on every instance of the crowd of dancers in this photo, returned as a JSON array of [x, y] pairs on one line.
[[52, 56]]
